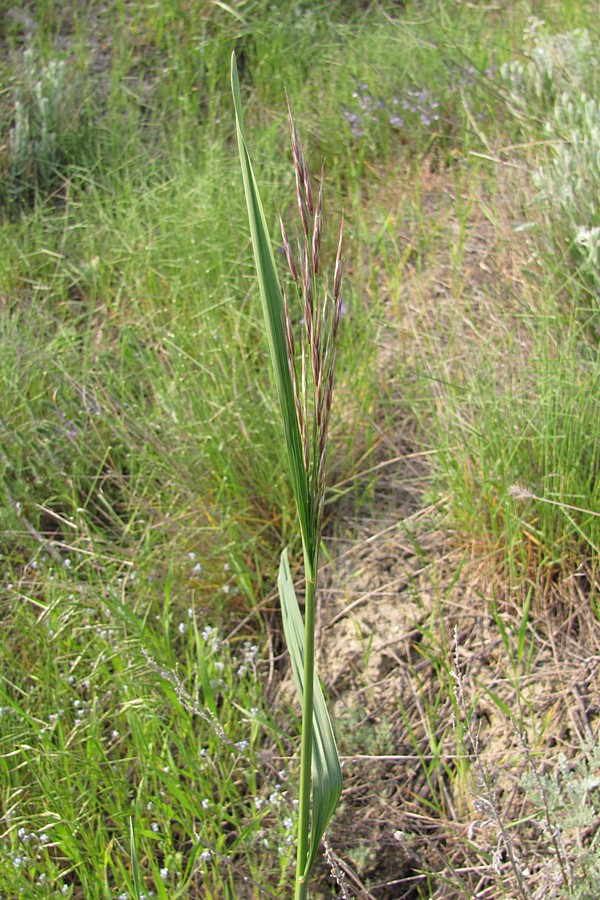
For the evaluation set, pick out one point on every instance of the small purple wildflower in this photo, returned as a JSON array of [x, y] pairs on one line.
[[355, 122], [419, 106]]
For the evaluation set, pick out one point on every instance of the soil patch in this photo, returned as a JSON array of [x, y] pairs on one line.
[[401, 614]]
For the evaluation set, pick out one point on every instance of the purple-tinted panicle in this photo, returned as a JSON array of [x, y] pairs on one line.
[[321, 311], [299, 170], [318, 224], [308, 294], [315, 353], [303, 212], [291, 351], [307, 186]]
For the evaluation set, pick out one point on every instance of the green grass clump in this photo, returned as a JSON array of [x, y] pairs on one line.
[[535, 436], [121, 707]]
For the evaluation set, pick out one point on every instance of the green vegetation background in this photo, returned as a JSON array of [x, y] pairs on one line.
[[144, 494]]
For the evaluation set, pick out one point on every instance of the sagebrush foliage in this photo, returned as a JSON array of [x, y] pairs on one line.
[[560, 78], [567, 802], [50, 131]]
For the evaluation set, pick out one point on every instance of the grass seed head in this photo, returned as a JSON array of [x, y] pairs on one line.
[[321, 311]]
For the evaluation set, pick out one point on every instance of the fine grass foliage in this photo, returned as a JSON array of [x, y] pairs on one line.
[[501, 446], [85, 726]]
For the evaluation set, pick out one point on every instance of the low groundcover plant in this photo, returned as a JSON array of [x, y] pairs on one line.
[[305, 404]]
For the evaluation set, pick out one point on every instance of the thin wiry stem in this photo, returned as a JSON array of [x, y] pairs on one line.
[[288, 251], [304, 406], [337, 281], [307, 740], [291, 349], [318, 224]]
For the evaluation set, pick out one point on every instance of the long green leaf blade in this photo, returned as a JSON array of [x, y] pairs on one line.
[[274, 313], [326, 769], [137, 880]]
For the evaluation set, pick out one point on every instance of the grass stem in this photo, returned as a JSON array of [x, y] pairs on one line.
[[307, 739]]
